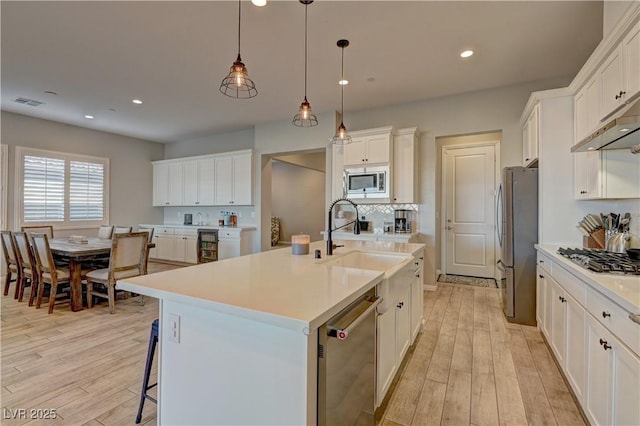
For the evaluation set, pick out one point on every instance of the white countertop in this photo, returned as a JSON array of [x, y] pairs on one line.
[[622, 289], [275, 286], [182, 226]]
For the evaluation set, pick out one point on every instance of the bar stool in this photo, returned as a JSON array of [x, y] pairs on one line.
[[153, 340]]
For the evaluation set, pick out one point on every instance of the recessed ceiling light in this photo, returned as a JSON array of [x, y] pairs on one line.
[[137, 101], [624, 130], [343, 82], [50, 92], [371, 79], [466, 53], [259, 3], [89, 117], [591, 148]]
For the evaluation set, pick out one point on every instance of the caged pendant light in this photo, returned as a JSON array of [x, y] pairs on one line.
[[237, 83], [342, 137], [305, 117]]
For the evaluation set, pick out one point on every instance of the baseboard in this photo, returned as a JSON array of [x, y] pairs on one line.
[[429, 287]]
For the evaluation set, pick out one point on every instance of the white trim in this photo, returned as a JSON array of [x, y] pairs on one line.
[[202, 157], [443, 197], [21, 151]]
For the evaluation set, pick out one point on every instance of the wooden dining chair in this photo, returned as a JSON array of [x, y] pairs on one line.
[[48, 273], [10, 259], [149, 230], [27, 265], [121, 230], [127, 260], [45, 229], [105, 231]]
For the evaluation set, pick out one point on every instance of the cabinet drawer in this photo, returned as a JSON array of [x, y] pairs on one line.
[[234, 234], [614, 318], [186, 231], [545, 262], [571, 284], [165, 231]]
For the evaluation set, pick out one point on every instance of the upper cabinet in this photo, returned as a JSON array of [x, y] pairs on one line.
[[212, 180], [233, 177], [609, 174], [405, 166], [531, 137], [586, 106], [631, 58], [369, 147]]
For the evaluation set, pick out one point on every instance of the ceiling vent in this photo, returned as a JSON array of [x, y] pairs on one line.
[[27, 101]]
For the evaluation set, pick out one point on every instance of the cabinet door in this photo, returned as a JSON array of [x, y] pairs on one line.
[[620, 174], [587, 176], [191, 249], [176, 179], [534, 136], [378, 149], [160, 184], [599, 365], [631, 55], [557, 327], [179, 248], [526, 142], [626, 382], [206, 182], [242, 173], [355, 153], [611, 83], [575, 347], [548, 302], [541, 285], [386, 355], [403, 323], [223, 183], [417, 301], [404, 161], [190, 183], [165, 247], [228, 248]]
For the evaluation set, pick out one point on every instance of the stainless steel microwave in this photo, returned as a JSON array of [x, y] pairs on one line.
[[369, 182]]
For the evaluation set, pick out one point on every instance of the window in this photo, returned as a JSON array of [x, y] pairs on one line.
[[65, 189]]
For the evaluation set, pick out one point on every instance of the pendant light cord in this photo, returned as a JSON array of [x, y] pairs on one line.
[[342, 88], [239, 11], [305, 51]]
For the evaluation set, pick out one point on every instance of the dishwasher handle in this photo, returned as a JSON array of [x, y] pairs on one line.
[[343, 333]]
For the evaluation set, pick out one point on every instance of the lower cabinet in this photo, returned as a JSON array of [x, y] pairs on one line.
[[185, 248], [234, 243], [595, 358], [613, 379]]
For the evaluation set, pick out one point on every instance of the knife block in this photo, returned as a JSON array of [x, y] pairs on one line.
[[595, 240]]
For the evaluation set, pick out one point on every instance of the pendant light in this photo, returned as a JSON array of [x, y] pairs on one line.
[[342, 137], [304, 117], [237, 83]]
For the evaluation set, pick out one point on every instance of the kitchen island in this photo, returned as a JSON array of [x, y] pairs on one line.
[[239, 337]]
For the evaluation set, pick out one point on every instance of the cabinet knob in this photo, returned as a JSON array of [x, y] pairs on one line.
[[418, 275], [562, 299], [605, 314], [167, 203], [604, 344], [542, 261], [400, 305], [526, 159], [541, 276], [197, 202], [621, 94]]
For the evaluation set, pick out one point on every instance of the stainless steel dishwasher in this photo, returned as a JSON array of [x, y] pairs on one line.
[[347, 365]]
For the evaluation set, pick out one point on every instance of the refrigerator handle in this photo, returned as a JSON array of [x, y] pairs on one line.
[[498, 208], [500, 266]]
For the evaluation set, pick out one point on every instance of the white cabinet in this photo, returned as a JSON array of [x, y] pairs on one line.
[[403, 323], [541, 289], [167, 184], [619, 75], [417, 296], [608, 174], [233, 179], [613, 379], [386, 353], [575, 317], [586, 104], [198, 187], [369, 147], [531, 136], [185, 245], [165, 247], [234, 243], [558, 325], [405, 162]]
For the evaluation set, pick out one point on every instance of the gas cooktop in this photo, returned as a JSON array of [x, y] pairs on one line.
[[597, 260]]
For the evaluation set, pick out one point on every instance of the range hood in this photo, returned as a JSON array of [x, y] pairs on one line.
[[619, 133]]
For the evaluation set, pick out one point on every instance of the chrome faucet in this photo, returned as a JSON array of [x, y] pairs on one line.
[[200, 218], [356, 226]]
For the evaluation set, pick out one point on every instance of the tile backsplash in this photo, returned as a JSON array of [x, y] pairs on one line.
[[210, 215], [378, 214]]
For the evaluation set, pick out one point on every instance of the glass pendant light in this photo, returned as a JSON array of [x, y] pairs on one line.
[[304, 117], [342, 137], [237, 83]]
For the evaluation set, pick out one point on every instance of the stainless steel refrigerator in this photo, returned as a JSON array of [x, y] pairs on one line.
[[517, 234]]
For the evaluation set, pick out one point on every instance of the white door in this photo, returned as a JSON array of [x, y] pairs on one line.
[[469, 189]]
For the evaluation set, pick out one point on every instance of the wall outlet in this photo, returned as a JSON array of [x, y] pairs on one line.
[[173, 328]]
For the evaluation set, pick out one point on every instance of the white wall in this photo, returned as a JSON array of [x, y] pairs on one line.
[[131, 173], [211, 144], [295, 200]]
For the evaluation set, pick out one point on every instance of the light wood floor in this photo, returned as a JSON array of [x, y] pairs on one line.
[[468, 367]]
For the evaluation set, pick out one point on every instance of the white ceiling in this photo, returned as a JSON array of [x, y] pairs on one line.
[[98, 56]]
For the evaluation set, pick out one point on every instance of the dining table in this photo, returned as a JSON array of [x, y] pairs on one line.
[[75, 253]]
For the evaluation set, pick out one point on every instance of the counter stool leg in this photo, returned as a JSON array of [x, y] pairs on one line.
[[153, 340]]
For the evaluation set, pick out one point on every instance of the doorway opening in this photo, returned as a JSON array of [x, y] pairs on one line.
[[469, 174], [297, 195]]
